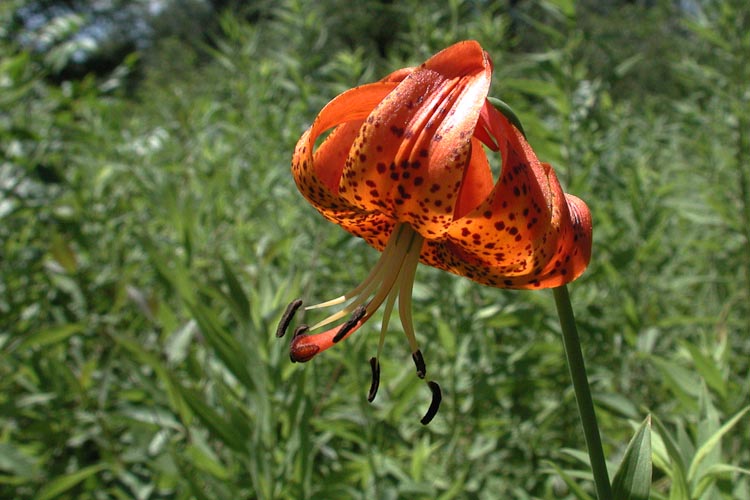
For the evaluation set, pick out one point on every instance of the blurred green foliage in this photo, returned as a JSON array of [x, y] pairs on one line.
[[151, 235]]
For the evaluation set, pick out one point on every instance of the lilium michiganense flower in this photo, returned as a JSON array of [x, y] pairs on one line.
[[405, 169]]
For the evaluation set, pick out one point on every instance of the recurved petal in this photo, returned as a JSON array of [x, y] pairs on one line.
[[317, 173], [409, 158], [526, 234], [477, 181]]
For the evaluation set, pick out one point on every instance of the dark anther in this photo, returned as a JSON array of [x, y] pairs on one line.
[[437, 397], [419, 363], [375, 365], [286, 318], [347, 327], [300, 330]]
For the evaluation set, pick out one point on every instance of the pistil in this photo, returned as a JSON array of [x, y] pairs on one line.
[[391, 278]]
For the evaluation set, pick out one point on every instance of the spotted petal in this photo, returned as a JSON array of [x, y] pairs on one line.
[[526, 233], [409, 158]]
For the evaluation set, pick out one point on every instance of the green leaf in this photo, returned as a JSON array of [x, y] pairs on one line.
[[214, 422], [63, 483], [175, 400], [203, 458], [172, 271], [713, 473], [14, 461], [679, 489], [63, 253], [49, 336], [709, 445], [565, 7], [707, 368], [227, 348], [237, 294], [684, 383], [617, 404], [570, 482], [633, 478]]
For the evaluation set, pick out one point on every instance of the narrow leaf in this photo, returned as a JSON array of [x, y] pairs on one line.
[[214, 422], [715, 472], [227, 348], [175, 400], [63, 253], [678, 473], [236, 293], [574, 488], [49, 336], [633, 479], [709, 445], [62, 484], [708, 369]]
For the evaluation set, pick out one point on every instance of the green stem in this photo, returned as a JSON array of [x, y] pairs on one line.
[[577, 368]]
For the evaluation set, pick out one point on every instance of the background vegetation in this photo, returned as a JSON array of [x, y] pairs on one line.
[[151, 235]]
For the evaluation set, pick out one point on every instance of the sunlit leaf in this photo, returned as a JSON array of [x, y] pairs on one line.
[[712, 441], [63, 483], [632, 480]]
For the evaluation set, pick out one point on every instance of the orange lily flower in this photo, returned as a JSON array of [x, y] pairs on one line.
[[405, 169]]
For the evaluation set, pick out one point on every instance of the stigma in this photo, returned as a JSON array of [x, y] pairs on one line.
[[390, 280]]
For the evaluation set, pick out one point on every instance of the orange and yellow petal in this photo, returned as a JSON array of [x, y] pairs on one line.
[[525, 234], [317, 173], [413, 148]]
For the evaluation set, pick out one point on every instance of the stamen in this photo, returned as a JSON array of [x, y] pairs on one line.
[[419, 363], [375, 365], [437, 397], [392, 278], [300, 330], [286, 318], [406, 282], [386, 319], [372, 279], [358, 314], [390, 271]]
